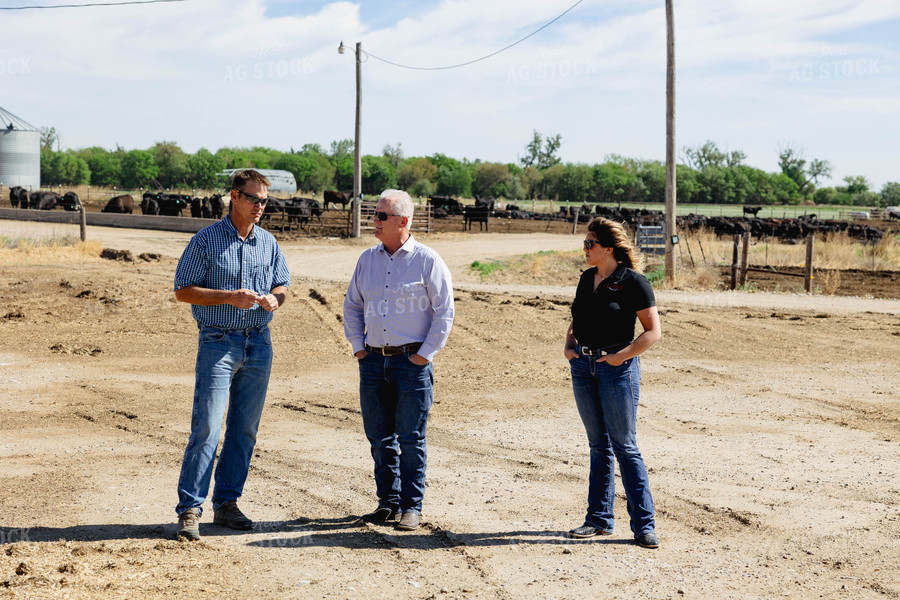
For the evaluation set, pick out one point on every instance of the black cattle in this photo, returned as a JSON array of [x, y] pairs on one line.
[[44, 200], [18, 195], [302, 210], [196, 208], [485, 202], [150, 203], [892, 212], [273, 207], [215, 206], [172, 205], [70, 201], [336, 198], [123, 204], [752, 210], [476, 214], [445, 205]]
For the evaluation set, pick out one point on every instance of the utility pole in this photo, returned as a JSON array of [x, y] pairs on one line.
[[671, 234], [357, 156], [357, 160]]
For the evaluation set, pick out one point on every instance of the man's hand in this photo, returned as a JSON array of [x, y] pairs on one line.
[[269, 302], [418, 360], [244, 298], [361, 355]]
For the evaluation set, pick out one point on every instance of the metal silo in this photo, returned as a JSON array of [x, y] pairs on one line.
[[20, 152]]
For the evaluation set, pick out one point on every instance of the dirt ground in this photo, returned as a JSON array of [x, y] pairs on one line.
[[769, 423]]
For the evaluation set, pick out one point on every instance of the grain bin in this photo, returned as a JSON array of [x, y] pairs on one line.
[[20, 152]]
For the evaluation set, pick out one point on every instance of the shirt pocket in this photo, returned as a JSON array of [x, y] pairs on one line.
[[261, 276], [411, 297]]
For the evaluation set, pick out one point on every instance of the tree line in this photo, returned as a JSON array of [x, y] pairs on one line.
[[705, 175]]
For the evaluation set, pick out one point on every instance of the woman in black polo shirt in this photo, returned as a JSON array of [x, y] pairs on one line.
[[606, 371]]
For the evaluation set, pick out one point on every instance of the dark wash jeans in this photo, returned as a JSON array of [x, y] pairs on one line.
[[233, 368], [395, 398], [607, 400]]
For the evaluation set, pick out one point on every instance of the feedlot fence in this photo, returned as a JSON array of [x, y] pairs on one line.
[[422, 220]]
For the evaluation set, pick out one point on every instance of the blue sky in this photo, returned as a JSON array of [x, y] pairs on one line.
[[821, 76]]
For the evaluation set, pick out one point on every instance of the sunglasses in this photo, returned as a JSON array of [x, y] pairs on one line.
[[383, 216], [252, 198], [588, 244]]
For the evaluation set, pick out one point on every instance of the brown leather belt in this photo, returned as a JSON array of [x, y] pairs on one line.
[[395, 350]]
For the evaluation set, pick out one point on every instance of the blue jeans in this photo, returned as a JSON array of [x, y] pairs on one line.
[[395, 398], [233, 369], [607, 400]]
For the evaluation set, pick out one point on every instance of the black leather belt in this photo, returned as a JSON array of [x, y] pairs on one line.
[[585, 351], [395, 350]]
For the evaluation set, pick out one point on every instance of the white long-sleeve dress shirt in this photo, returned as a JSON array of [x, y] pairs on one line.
[[399, 299]]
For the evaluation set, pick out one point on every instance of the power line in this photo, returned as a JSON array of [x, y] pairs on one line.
[[87, 5], [545, 26]]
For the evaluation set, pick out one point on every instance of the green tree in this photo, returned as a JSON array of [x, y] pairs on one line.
[[138, 169], [378, 174], [49, 138], [312, 169], [805, 175], [652, 174], [453, 177], [856, 184], [105, 166], [416, 173], [172, 163], [491, 180], [203, 168], [890, 194], [577, 183], [709, 155], [394, 154], [64, 168], [541, 152], [342, 159]]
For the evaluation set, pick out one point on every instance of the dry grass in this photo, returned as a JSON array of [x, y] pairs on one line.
[[836, 251], [59, 250]]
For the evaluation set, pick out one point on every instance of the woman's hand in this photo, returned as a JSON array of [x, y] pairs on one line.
[[613, 359], [570, 353]]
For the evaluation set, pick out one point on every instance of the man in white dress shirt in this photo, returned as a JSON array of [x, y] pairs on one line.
[[397, 316]]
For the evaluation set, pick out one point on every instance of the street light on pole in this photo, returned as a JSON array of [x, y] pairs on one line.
[[357, 160]]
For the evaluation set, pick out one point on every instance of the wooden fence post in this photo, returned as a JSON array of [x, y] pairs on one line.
[[83, 222], [808, 272], [745, 250], [734, 262], [575, 221]]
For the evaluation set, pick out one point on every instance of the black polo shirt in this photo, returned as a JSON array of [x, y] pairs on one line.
[[604, 318]]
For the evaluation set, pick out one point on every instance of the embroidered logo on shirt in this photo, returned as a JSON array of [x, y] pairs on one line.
[[613, 287]]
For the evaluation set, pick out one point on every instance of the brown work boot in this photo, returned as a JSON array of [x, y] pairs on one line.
[[189, 524], [409, 521], [229, 515]]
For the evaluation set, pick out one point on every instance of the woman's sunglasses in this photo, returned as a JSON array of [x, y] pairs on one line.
[[588, 244]]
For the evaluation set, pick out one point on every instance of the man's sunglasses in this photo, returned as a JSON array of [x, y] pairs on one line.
[[252, 198], [383, 216], [588, 244]]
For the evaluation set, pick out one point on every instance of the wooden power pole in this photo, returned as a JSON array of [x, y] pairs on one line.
[[670, 145]]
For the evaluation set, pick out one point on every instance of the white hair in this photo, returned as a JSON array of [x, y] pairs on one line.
[[400, 201]]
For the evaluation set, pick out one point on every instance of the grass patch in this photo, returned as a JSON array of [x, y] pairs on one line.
[[486, 268], [656, 276]]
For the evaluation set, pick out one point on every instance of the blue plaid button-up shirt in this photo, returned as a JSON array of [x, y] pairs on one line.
[[216, 258]]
